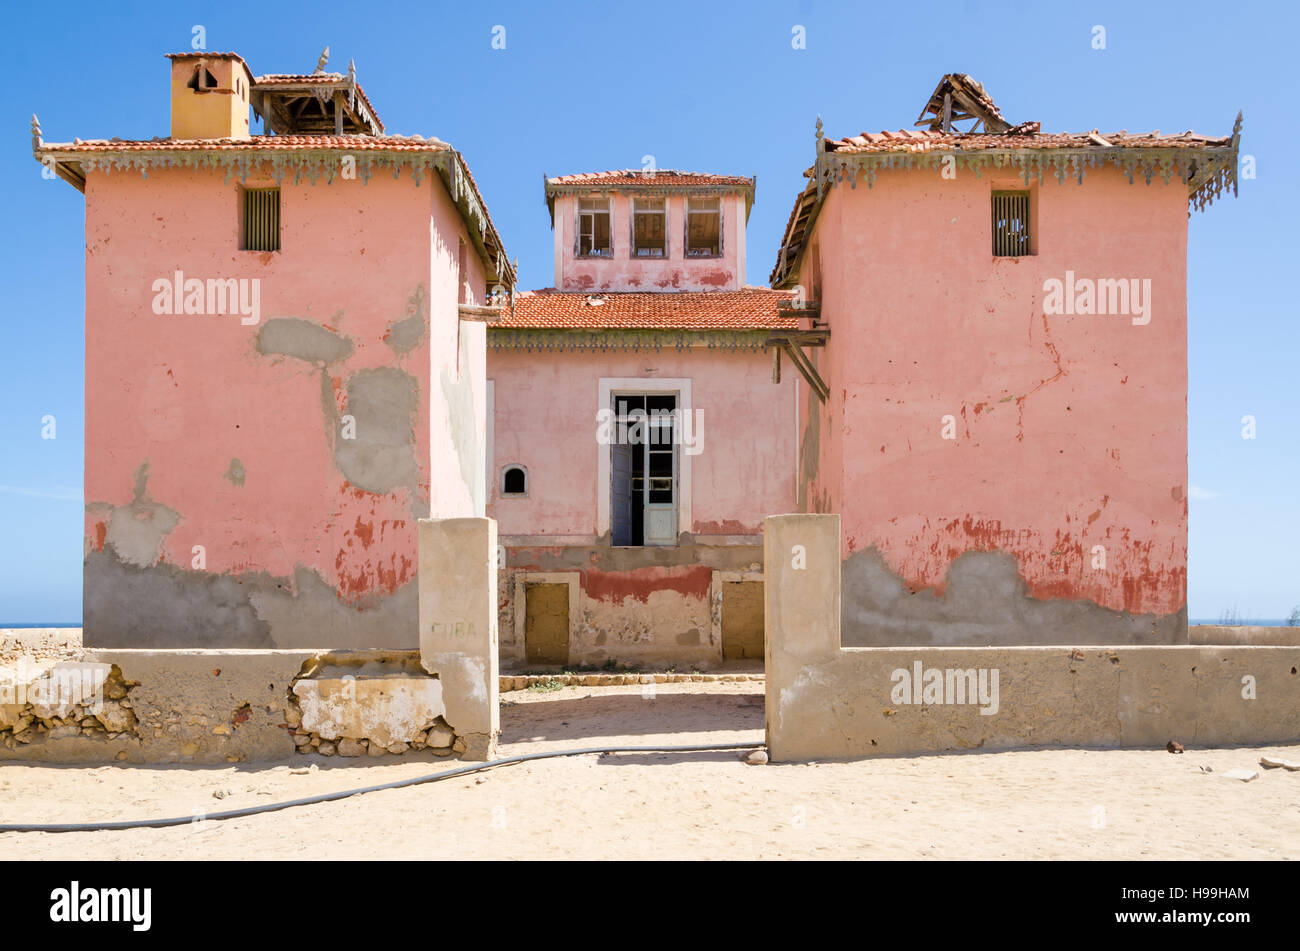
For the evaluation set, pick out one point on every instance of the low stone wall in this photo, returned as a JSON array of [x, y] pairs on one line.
[[231, 706], [1244, 634], [825, 701]]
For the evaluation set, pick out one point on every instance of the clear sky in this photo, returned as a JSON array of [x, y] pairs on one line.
[[699, 86]]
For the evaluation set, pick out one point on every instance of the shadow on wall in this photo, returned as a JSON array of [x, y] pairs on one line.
[[985, 602]]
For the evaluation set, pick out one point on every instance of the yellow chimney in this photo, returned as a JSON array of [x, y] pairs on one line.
[[210, 94]]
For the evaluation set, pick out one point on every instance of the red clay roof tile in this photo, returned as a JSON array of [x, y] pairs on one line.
[[750, 308]]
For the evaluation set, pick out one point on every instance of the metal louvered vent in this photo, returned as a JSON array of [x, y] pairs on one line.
[[261, 220], [1010, 224]]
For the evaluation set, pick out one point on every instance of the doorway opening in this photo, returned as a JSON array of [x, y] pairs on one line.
[[644, 469]]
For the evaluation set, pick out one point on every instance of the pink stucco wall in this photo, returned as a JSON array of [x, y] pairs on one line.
[[202, 431], [623, 272], [545, 420], [1071, 431]]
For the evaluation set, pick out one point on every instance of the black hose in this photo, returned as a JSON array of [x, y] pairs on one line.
[[344, 794]]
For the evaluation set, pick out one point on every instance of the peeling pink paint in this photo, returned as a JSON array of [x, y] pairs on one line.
[[189, 393], [1070, 430]]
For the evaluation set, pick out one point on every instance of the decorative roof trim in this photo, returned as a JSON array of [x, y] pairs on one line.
[[599, 186], [603, 341], [1207, 170], [297, 164]]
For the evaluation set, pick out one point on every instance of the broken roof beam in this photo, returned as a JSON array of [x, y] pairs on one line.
[[958, 98]]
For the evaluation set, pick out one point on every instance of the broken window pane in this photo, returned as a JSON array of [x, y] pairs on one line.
[[648, 231], [593, 228], [703, 228]]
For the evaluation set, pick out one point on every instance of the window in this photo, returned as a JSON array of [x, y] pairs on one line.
[[202, 79], [593, 228], [643, 470], [260, 224], [1011, 237], [649, 228], [514, 481], [704, 228]]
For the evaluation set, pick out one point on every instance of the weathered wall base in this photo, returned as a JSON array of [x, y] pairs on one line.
[[848, 704], [827, 701], [984, 601], [652, 606], [233, 706]]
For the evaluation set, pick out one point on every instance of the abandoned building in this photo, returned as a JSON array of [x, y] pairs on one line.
[[284, 363], [637, 439], [297, 345], [1004, 424]]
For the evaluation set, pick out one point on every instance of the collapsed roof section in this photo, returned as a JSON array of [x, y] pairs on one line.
[[1206, 164]]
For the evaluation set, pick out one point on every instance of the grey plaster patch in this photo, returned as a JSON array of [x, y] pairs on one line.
[[137, 530], [166, 606], [235, 473], [313, 615], [405, 334], [985, 603], [302, 339], [382, 456]]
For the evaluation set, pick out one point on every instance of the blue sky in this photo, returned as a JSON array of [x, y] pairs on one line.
[[584, 87]]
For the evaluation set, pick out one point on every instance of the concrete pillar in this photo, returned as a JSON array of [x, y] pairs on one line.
[[458, 625], [801, 582]]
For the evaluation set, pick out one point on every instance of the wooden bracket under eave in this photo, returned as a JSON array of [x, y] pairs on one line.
[[487, 315], [792, 343]]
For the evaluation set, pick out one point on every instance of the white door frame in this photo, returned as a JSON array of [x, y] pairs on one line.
[[606, 388]]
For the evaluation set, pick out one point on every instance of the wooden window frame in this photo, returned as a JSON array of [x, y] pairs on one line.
[[632, 245], [577, 230], [686, 228]]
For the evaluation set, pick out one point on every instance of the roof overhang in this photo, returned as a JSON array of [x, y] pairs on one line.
[[1208, 169], [597, 187], [72, 161]]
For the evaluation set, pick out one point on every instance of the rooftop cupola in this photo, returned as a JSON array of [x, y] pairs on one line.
[[210, 95]]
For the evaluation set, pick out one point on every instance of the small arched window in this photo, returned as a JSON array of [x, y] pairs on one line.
[[514, 481]]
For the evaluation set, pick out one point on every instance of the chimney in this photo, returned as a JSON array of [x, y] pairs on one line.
[[210, 93]]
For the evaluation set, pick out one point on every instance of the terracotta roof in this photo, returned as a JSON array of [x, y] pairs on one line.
[[751, 308], [257, 143], [924, 140], [271, 78], [204, 54], [663, 176], [1209, 161]]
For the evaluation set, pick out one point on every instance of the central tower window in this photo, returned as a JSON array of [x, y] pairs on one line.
[[593, 228], [649, 228]]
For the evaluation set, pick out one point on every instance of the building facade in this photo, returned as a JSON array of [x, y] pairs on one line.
[[1005, 427], [284, 363], [638, 439]]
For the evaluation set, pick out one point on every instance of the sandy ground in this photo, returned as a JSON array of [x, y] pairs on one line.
[[1042, 804]]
